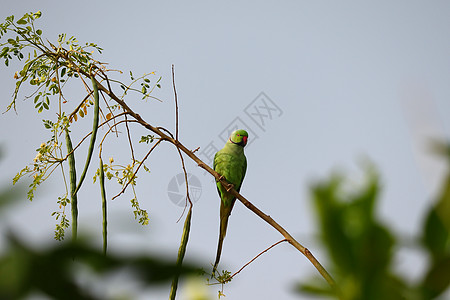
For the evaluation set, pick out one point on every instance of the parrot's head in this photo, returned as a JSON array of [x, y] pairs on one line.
[[239, 137]]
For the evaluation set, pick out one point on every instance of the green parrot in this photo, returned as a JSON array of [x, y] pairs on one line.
[[230, 163]]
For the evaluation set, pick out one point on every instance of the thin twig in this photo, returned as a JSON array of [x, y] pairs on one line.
[[79, 105], [176, 102], [129, 138], [176, 137], [101, 110], [87, 135], [187, 226], [109, 87], [261, 253], [196, 149], [114, 126], [137, 169]]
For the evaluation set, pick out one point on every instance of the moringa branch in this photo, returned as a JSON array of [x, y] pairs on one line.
[[217, 176], [80, 62]]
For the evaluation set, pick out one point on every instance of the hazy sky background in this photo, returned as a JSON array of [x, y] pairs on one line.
[[351, 80]]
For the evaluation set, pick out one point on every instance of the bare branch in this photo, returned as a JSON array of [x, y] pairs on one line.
[[137, 169], [253, 259], [176, 137]]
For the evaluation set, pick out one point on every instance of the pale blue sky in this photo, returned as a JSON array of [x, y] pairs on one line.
[[352, 80]]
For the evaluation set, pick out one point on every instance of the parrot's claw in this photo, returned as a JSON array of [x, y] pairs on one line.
[[230, 186]]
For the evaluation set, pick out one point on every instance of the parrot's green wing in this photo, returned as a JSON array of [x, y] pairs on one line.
[[233, 168]]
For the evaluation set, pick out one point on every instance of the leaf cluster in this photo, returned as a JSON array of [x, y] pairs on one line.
[[139, 214], [48, 157], [47, 67], [126, 175], [146, 89], [61, 215]]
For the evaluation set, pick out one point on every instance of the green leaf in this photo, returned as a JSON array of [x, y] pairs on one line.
[[39, 32], [435, 235], [146, 139], [4, 51], [22, 22], [437, 279]]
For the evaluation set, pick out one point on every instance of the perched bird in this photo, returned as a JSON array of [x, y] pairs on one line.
[[231, 164]]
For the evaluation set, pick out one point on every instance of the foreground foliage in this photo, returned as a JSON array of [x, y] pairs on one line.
[[361, 248]]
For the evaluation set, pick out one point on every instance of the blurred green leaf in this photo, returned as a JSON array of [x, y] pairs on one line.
[[51, 271], [360, 247], [436, 236], [437, 279]]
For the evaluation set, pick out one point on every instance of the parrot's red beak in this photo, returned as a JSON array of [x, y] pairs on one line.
[[245, 140]]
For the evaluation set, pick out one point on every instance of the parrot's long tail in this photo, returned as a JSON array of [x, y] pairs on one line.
[[224, 215], [222, 233]]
